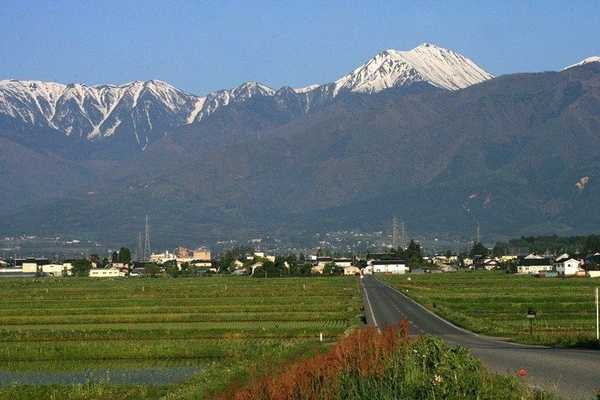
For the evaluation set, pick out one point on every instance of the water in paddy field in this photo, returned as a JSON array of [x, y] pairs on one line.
[[117, 374]]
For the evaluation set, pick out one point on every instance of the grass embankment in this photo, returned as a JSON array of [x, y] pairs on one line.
[[495, 303]]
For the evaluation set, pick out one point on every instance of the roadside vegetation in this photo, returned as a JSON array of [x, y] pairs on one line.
[[390, 365], [496, 304]]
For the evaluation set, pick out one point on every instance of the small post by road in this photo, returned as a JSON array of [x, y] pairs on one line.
[[531, 315], [597, 318]]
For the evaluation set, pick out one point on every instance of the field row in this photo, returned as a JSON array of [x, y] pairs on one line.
[[88, 307], [148, 349], [233, 325], [137, 317], [215, 288]]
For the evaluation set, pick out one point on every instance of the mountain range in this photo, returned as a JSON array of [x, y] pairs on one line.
[[423, 134]]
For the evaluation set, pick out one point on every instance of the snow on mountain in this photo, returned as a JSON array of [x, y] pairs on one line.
[[440, 67], [307, 89], [146, 110], [94, 112], [210, 103], [586, 61]]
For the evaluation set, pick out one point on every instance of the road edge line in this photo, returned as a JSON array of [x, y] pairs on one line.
[[369, 305]]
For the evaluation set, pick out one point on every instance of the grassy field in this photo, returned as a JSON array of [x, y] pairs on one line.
[[496, 304], [204, 332]]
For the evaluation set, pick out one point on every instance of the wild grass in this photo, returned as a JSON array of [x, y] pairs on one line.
[[390, 365], [495, 303]]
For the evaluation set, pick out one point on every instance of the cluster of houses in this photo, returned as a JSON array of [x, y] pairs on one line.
[[32, 266], [200, 260], [531, 264], [320, 264]]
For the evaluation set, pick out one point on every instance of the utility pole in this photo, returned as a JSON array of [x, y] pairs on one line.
[[597, 318]]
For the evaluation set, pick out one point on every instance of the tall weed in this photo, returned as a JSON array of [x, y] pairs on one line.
[[387, 365]]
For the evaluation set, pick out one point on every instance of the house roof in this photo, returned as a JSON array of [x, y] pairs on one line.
[[386, 262], [569, 260], [530, 262]]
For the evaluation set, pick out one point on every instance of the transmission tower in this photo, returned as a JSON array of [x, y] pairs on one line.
[[147, 250], [403, 236], [139, 253], [395, 232]]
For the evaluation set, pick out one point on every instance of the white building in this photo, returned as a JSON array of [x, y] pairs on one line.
[[57, 269], [351, 270], [386, 267], [105, 273], [567, 267], [533, 265], [342, 262]]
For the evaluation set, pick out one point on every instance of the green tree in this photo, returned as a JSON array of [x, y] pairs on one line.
[[413, 254], [478, 249], [592, 244], [171, 268], [186, 269], [124, 255], [152, 270], [500, 249], [306, 269], [330, 269], [81, 267], [227, 261]]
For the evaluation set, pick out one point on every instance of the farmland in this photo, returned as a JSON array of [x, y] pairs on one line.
[[74, 338], [496, 304], [204, 332]]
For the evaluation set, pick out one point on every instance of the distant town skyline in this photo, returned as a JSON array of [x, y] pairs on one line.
[[201, 47]]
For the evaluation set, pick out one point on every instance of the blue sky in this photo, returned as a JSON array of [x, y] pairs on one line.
[[203, 46]]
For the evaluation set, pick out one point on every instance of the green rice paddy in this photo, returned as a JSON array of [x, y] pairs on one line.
[[495, 303], [200, 332]]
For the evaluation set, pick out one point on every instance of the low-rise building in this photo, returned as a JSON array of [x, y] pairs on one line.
[[533, 265], [351, 270], [105, 272], [386, 267], [568, 267]]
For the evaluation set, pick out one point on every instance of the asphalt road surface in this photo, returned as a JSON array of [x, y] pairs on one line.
[[569, 373]]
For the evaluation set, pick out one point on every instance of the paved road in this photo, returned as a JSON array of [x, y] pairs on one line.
[[570, 373]]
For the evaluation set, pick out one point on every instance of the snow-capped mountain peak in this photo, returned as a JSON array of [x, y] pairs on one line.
[[440, 67], [583, 62]]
